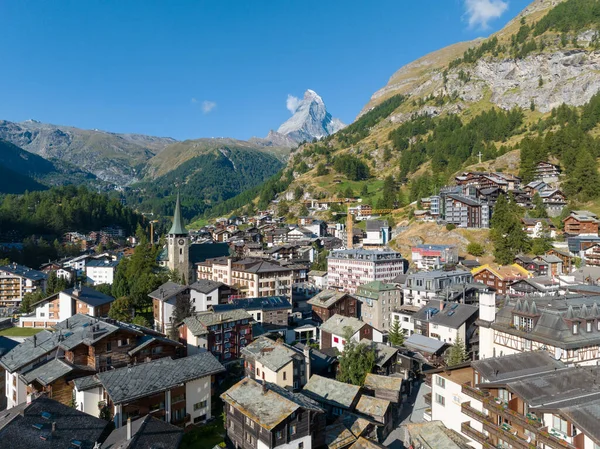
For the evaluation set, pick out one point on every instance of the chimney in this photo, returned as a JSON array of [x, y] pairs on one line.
[[35, 341], [53, 428], [264, 387], [128, 429], [307, 351]]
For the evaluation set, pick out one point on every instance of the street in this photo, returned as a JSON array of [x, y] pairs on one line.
[[412, 412]]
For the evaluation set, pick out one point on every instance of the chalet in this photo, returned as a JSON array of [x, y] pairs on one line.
[[384, 387], [554, 264], [144, 432], [224, 334], [499, 278], [336, 329], [554, 201], [335, 397], [378, 411], [547, 172], [490, 195], [564, 256], [300, 233], [591, 255], [178, 391], [385, 356], [536, 286], [329, 303], [62, 305], [268, 416], [536, 187], [537, 227], [581, 222], [536, 266]]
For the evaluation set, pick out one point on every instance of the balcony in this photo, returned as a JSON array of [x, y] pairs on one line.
[[427, 398], [466, 409], [553, 441], [529, 422], [473, 392], [508, 434], [484, 440]]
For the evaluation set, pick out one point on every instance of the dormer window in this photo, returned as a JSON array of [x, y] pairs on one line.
[[588, 326], [575, 328]]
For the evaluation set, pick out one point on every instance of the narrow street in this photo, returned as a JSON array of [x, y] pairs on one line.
[[412, 413]]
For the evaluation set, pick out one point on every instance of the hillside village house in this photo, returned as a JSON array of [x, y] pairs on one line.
[[177, 391], [581, 222], [378, 300], [81, 345], [267, 309], [433, 257], [329, 302], [379, 233], [18, 280], [422, 286], [348, 269], [547, 172], [62, 305], [499, 278], [338, 328]]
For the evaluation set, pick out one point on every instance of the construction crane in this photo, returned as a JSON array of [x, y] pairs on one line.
[[152, 231], [350, 222]]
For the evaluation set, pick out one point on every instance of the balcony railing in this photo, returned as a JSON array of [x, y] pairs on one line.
[[506, 433], [529, 422], [473, 392], [484, 440], [552, 441], [427, 398], [466, 408]]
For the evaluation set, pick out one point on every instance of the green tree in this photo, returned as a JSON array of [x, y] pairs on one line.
[[283, 208], [387, 154], [389, 194], [356, 361], [364, 191], [396, 335], [183, 309], [322, 170], [457, 353], [298, 193], [120, 309], [506, 231], [539, 208], [303, 212], [29, 299], [140, 320], [348, 193], [475, 249], [583, 183]]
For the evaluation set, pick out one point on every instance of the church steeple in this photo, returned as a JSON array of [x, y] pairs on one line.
[[178, 228]]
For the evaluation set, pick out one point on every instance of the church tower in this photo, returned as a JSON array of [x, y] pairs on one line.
[[178, 244]]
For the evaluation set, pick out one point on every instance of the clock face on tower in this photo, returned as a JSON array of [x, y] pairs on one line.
[[181, 242]]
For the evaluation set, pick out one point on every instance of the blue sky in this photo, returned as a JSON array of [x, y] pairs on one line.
[[190, 69]]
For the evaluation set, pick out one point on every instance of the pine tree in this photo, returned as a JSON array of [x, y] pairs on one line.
[[396, 335], [457, 353], [356, 361], [506, 231], [584, 180], [539, 210], [183, 309], [364, 191]]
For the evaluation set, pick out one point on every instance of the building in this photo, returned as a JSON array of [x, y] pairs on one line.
[[547, 172], [318, 279], [338, 328], [379, 233], [224, 334], [422, 286], [348, 269], [336, 398], [177, 391], [18, 280], [537, 227], [433, 257], [384, 387], [404, 315], [277, 363], [62, 305], [205, 293], [6, 345], [330, 302], [534, 265], [377, 301], [466, 212], [254, 277], [47, 424], [434, 435], [263, 415], [144, 433], [164, 299], [178, 247], [581, 222], [499, 278], [566, 326], [522, 400], [270, 310], [80, 345], [554, 201], [100, 271], [536, 286]]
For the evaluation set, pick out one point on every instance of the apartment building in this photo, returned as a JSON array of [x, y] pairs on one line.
[[547, 172], [62, 305], [254, 277], [270, 309], [18, 280], [330, 302], [527, 400], [349, 269], [434, 257], [422, 286], [224, 334], [566, 326], [581, 222], [379, 233], [100, 271], [80, 345], [377, 301], [466, 212], [266, 416]]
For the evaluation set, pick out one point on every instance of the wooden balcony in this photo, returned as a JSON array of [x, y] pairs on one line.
[[427, 398], [552, 441], [473, 392], [505, 433], [527, 422], [485, 441], [466, 409]]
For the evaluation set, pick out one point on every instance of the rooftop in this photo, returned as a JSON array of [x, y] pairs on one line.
[[377, 382], [274, 355], [363, 443], [167, 291], [98, 263], [373, 407], [364, 254], [23, 271], [435, 435], [452, 315], [339, 325], [422, 343], [205, 285], [29, 350], [198, 324], [52, 371], [89, 296], [260, 303], [383, 353], [146, 433], [326, 298], [323, 389]]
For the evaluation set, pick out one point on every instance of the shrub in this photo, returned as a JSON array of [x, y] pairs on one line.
[[475, 249], [450, 227]]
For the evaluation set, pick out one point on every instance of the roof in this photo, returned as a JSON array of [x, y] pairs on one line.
[[24, 426], [583, 215], [167, 291], [319, 360], [138, 381], [323, 389], [23, 271], [317, 273], [338, 436], [205, 285], [363, 443], [49, 372], [373, 407], [585, 417], [97, 263], [339, 325], [147, 433], [463, 199], [372, 289], [434, 435], [376, 225], [504, 272], [177, 228], [274, 355], [515, 365], [383, 353], [452, 315], [6, 345], [266, 406], [30, 349], [326, 298], [260, 303], [377, 382], [89, 296], [198, 324], [423, 343]]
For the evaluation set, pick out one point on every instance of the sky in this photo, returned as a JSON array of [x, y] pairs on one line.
[[221, 68]]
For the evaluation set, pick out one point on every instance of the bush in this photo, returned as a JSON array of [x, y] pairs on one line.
[[450, 227], [475, 249]]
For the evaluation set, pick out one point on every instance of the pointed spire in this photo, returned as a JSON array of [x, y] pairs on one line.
[[594, 312], [177, 228], [570, 313], [583, 311], [518, 306], [534, 309]]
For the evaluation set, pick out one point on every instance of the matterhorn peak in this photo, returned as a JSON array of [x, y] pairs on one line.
[[310, 120]]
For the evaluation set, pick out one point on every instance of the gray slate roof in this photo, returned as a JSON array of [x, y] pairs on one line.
[[147, 433], [326, 298], [199, 323], [6, 345], [330, 391], [339, 324], [383, 353], [19, 431], [205, 285], [51, 371], [31, 349], [89, 296], [261, 303], [453, 315], [167, 291], [515, 365], [272, 354], [585, 417], [422, 343], [129, 383]]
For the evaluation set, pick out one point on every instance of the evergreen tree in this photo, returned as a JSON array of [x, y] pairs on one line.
[[183, 309], [364, 191], [120, 309], [457, 353], [396, 335], [583, 183], [506, 231], [539, 208], [356, 361]]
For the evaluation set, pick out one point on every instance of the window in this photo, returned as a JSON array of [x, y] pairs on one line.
[[108, 346], [178, 398], [108, 361], [588, 326], [336, 340], [503, 395], [440, 381], [249, 423], [439, 399], [292, 430], [559, 424], [157, 350], [301, 446], [575, 328], [523, 322], [199, 405], [284, 375], [123, 341], [258, 372], [278, 435], [258, 316]]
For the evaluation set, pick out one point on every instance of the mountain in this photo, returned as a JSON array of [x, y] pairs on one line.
[[16, 183], [526, 93], [113, 158]]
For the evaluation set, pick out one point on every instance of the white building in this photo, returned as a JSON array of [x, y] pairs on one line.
[[205, 293], [379, 233], [335, 330], [433, 257], [348, 269], [100, 271]]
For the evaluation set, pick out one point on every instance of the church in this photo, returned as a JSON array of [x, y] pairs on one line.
[[178, 247]]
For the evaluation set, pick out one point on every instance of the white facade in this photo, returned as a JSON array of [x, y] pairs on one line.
[[100, 274], [87, 401], [203, 301], [196, 392], [16, 390], [406, 322]]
